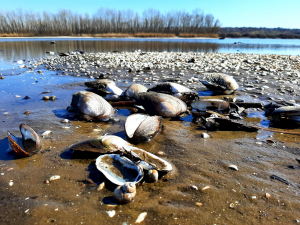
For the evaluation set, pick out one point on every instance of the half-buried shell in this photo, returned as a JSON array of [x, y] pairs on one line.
[[119, 169], [142, 127], [31, 143], [170, 88], [219, 82], [291, 112], [91, 106], [161, 104], [133, 89], [210, 104]]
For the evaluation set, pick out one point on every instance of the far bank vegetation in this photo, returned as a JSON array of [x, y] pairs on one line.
[[109, 23]]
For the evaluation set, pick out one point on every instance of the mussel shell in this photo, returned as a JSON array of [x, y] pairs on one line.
[[133, 89], [15, 146], [104, 86], [170, 88], [141, 127], [220, 83], [206, 104], [161, 104], [119, 169], [91, 106], [103, 144]]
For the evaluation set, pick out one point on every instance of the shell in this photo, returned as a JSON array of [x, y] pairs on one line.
[[119, 169], [219, 82], [125, 193], [141, 217], [31, 143], [103, 144], [104, 86], [170, 88], [133, 89], [233, 167], [208, 104], [161, 104], [92, 106], [141, 127], [292, 112]]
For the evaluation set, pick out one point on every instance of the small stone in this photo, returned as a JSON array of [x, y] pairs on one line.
[[160, 153], [52, 98], [46, 98], [231, 205], [198, 204], [2, 78], [27, 112], [11, 183], [101, 186], [65, 121], [268, 195], [26, 97], [111, 213], [47, 182]]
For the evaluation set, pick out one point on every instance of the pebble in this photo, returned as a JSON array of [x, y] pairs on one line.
[[268, 195], [231, 205], [141, 217], [2, 78], [11, 183], [111, 213], [160, 153]]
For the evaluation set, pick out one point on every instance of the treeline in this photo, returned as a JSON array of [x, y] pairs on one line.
[[253, 32], [105, 21]]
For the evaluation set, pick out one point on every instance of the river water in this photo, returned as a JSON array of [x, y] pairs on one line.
[[234, 197]]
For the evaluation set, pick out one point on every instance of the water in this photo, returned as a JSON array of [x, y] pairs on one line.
[[14, 49]]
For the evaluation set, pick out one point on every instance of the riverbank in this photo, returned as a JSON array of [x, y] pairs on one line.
[[233, 197]]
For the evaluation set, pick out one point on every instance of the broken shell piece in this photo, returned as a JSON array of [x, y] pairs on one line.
[[231, 205], [141, 217], [291, 112], [111, 213], [219, 82], [104, 86], [161, 104], [101, 186], [125, 193], [133, 89], [205, 188], [92, 106], [141, 127], [47, 132], [210, 104], [268, 195], [31, 143], [119, 169], [170, 88], [198, 204], [233, 167], [54, 177]]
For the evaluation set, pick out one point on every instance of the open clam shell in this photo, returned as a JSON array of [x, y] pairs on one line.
[[104, 86], [161, 104], [31, 143], [219, 82], [291, 112], [141, 127], [170, 88], [119, 169], [133, 89], [209, 104], [91, 106]]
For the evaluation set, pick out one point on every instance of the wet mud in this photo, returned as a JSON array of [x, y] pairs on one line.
[[234, 197]]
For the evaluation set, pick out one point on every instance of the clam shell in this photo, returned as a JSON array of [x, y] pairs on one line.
[[102, 144], [292, 112], [206, 104], [119, 169], [170, 88], [133, 89], [161, 104], [125, 193], [91, 106], [142, 127], [31, 143], [104, 86], [220, 83]]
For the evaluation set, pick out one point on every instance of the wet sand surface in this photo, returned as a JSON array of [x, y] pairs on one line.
[[234, 197]]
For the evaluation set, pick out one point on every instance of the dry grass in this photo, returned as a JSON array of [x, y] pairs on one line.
[[193, 35], [17, 34], [153, 35]]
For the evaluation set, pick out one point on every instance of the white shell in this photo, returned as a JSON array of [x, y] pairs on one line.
[[233, 167], [141, 217], [220, 82], [133, 122], [206, 104], [119, 169], [133, 89], [91, 106]]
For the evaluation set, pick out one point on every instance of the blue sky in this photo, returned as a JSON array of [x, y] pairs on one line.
[[231, 13]]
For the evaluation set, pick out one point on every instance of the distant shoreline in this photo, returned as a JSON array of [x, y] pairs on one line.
[[91, 37]]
